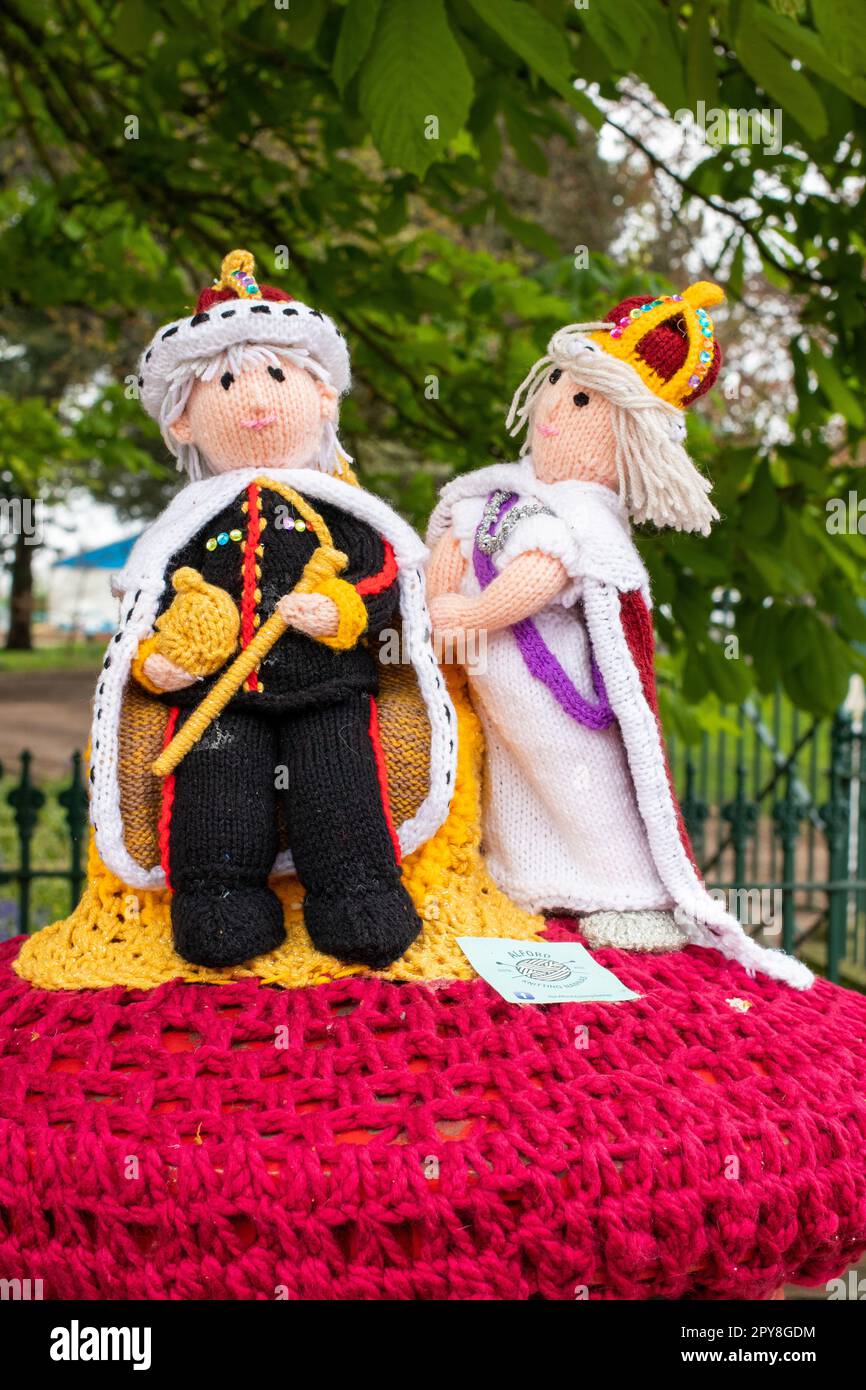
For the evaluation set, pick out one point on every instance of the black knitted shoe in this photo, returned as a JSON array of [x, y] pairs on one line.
[[217, 925], [373, 927]]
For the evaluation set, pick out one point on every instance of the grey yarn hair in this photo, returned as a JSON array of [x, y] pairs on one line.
[[657, 480], [327, 451]]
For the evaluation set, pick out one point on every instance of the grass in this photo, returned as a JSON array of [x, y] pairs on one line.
[[73, 658]]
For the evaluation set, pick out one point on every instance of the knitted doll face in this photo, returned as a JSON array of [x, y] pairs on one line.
[[572, 432], [266, 415]]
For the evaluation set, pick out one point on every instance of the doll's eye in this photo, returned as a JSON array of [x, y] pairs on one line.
[[226, 380], [555, 375], [277, 373], [581, 398]]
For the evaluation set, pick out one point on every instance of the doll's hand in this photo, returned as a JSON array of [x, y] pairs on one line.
[[453, 619], [165, 675], [453, 612], [313, 614]]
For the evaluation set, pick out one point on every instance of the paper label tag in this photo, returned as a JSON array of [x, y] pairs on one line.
[[542, 972]]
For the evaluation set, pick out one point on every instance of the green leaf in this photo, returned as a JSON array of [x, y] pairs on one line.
[[356, 33], [520, 134], [805, 45], [135, 23], [844, 552], [661, 59], [305, 21], [73, 228], [393, 215], [850, 612], [817, 677], [529, 35], [735, 273], [777, 571], [619, 29], [772, 71], [528, 232], [708, 668], [761, 504], [838, 393], [587, 108], [414, 75], [702, 83], [842, 26], [763, 633]]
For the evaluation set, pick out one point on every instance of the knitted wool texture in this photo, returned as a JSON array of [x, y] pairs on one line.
[[659, 356], [633, 931], [364, 1140], [663, 344], [284, 389], [140, 588], [529, 584], [665, 347], [122, 936], [628, 813], [222, 320], [624, 431], [199, 632]]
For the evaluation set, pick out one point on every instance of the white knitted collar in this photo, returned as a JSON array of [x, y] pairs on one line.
[[603, 547], [198, 502]]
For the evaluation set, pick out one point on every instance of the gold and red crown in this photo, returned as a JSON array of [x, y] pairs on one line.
[[670, 341]]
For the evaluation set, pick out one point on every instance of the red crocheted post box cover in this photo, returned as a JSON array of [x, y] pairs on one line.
[[363, 1139]]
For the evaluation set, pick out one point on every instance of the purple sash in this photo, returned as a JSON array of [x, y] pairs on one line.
[[538, 658]]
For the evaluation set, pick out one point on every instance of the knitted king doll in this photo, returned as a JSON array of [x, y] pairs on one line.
[[580, 815], [235, 724]]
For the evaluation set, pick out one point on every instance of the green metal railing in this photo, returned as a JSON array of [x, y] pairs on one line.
[[776, 812], [27, 802]]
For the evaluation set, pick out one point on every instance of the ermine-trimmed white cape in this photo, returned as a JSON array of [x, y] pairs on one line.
[[140, 587], [588, 530]]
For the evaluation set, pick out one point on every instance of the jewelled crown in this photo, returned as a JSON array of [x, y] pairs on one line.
[[670, 341]]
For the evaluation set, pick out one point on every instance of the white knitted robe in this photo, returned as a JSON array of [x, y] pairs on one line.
[[577, 818]]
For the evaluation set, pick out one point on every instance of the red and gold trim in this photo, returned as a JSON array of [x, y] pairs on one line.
[[167, 799], [251, 594], [376, 583]]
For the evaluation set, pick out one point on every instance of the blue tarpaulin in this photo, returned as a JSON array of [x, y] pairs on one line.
[[105, 557]]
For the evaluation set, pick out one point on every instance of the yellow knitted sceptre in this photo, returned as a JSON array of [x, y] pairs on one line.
[[325, 563]]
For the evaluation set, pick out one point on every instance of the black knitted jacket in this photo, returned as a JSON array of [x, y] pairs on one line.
[[298, 671]]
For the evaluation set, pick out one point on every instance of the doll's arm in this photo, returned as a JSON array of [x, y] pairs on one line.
[[378, 587], [524, 587], [446, 567], [359, 603]]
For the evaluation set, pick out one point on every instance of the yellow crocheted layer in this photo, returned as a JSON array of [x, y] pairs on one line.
[[122, 936]]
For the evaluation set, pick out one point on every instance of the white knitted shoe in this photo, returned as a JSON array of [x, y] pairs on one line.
[[633, 931]]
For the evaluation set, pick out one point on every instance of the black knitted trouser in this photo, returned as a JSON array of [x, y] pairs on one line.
[[322, 763]]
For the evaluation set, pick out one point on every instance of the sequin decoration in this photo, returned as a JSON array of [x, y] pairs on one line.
[[246, 285], [291, 523], [223, 538]]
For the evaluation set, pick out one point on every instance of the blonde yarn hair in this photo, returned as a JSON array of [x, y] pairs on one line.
[[657, 480]]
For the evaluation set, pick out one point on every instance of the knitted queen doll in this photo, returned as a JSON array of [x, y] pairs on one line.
[[579, 811], [235, 729]]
